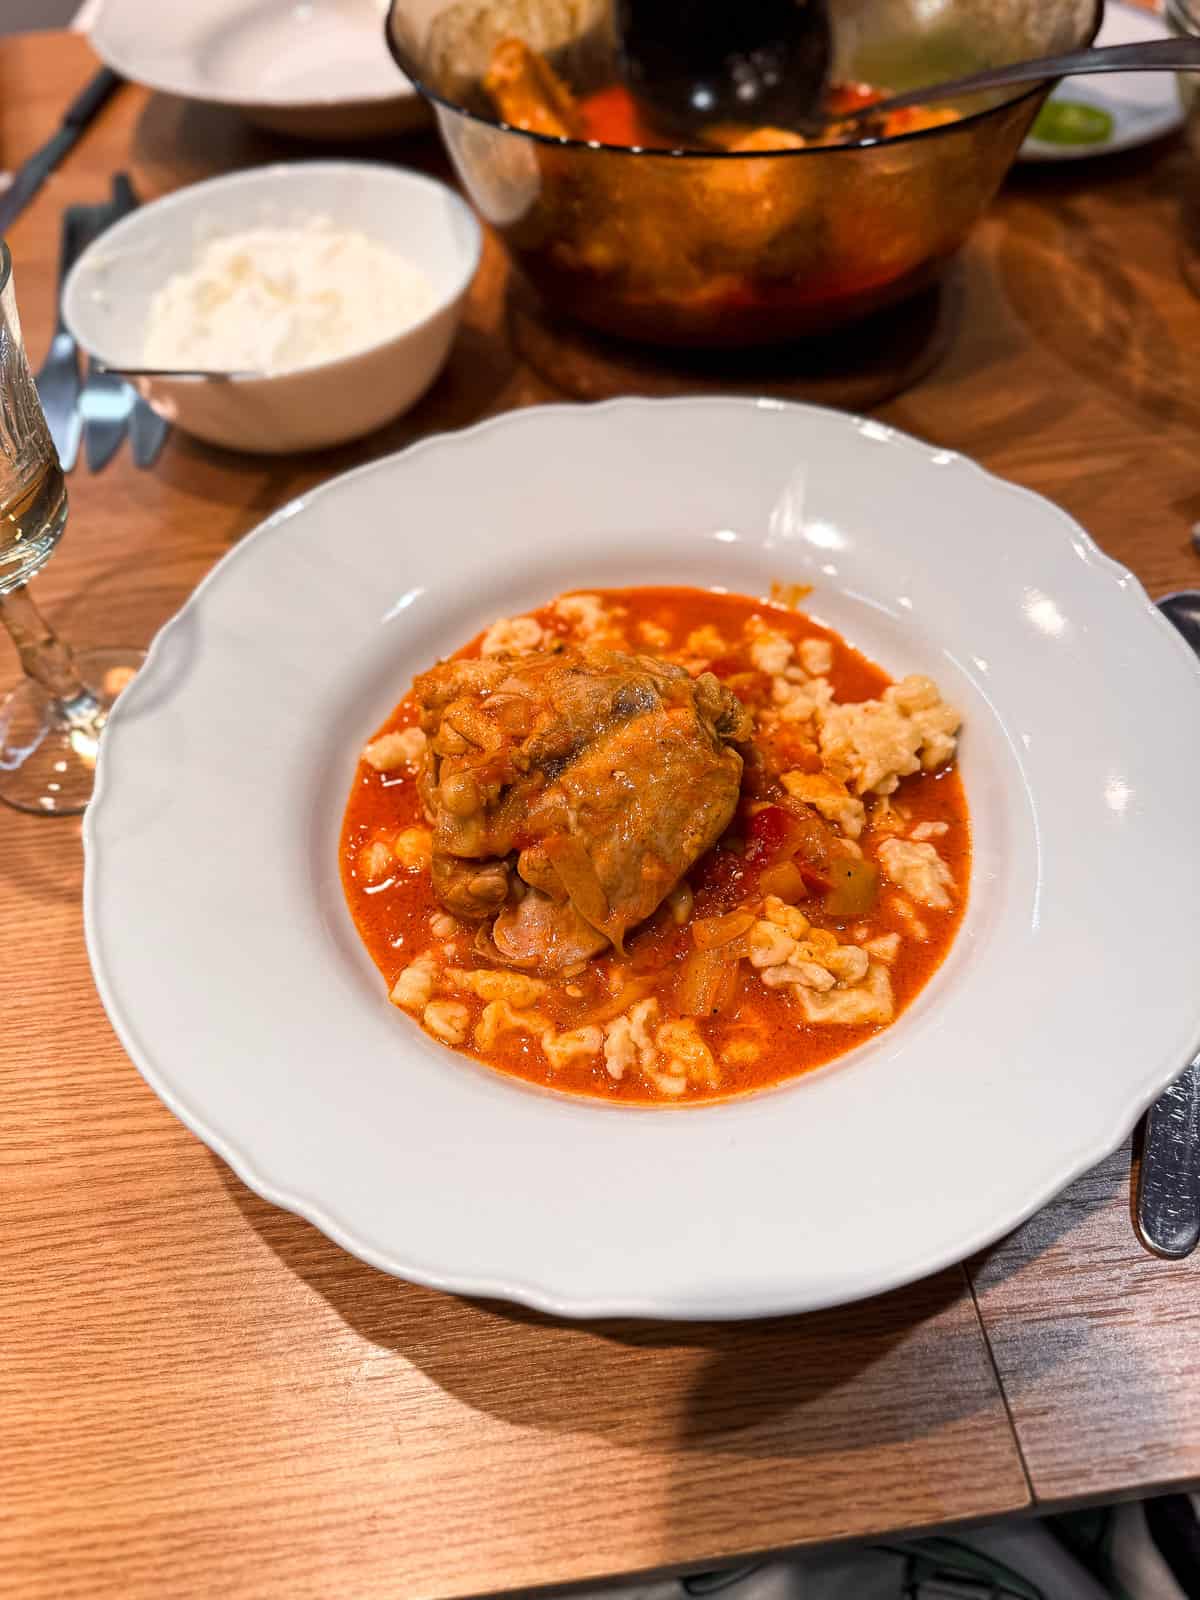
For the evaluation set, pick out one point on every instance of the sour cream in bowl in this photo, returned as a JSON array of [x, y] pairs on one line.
[[330, 290]]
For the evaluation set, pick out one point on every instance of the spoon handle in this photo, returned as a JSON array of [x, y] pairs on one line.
[[211, 374], [1168, 1194], [1154, 55]]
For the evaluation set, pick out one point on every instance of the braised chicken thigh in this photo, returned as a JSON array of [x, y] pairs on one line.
[[570, 791]]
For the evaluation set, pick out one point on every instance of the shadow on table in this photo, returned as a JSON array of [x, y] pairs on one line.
[[176, 141], [1061, 1228], [478, 370], [894, 1367], [1074, 1304]]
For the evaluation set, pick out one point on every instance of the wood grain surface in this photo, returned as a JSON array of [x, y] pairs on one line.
[[202, 1395], [1097, 1344]]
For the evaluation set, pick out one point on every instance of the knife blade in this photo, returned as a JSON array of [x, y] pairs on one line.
[[37, 168], [1167, 1205], [106, 405], [147, 434]]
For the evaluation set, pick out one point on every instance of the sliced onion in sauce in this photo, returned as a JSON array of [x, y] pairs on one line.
[[709, 933]]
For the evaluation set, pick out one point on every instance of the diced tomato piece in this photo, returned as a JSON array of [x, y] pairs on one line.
[[724, 666], [771, 836], [719, 882], [817, 881], [613, 116], [777, 834], [846, 97]]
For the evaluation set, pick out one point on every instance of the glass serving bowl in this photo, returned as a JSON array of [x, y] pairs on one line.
[[701, 248]]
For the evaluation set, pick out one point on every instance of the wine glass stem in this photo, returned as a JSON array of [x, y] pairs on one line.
[[46, 658]]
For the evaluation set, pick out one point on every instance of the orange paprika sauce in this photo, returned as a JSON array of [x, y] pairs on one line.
[[613, 116], [393, 917]]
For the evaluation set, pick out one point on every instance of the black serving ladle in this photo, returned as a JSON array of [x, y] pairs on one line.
[[698, 62]]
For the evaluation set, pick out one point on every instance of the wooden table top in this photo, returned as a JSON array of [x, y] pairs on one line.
[[203, 1395]]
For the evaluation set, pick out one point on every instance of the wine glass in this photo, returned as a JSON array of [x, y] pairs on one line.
[[49, 725]]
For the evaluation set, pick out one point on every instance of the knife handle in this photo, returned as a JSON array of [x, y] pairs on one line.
[[1168, 1193], [124, 197], [91, 97], [73, 240]]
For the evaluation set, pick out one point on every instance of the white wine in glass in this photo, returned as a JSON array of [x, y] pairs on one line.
[[32, 518], [50, 725]]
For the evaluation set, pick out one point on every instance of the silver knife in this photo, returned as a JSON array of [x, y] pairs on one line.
[[1168, 1189], [33, 173]]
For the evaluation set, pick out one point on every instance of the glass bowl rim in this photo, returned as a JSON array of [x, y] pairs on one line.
[[690, 153]]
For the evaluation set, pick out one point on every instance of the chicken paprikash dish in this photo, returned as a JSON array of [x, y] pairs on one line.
[[658, 845]]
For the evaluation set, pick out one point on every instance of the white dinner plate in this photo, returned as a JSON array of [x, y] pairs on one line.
[[1116, 111], [319, 70], [228, 962]]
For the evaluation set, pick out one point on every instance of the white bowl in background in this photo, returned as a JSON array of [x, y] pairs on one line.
[[318, 72], [107, 298]]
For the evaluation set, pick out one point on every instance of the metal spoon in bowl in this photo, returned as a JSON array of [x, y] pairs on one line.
[[210, 374], [1152, 55], [796, 104]]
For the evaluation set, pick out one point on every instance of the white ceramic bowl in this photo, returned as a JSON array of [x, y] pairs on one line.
[[315, 71], [227, 960], [107, 297]]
